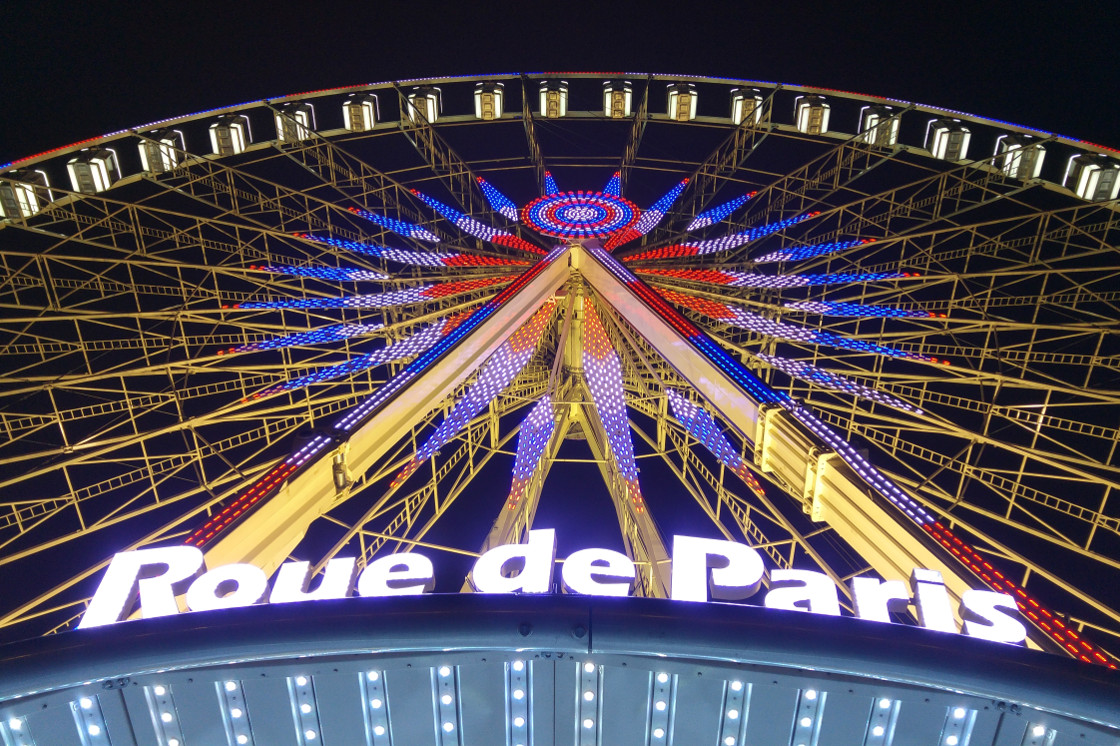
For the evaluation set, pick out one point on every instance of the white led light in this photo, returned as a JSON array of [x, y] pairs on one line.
[[446, 699], [588, 723], [375, 703], [732, 714], [15, 724], [951, 740], [589, 668], [658, 732], [589, 695], [166, 717], [878, 730], [519, 721], [235, 712], [810, 694], [659, 705], [86, 702], [806, 722], [884, 703], [172, 742], [230, 686], [729, 741], [958, 713], [444, 671], [519, 665], [301, 681], [448, 727], [93, 730], [736, 686], [1038, 731], [243, 738], [519, 694], [373, 676], [309, 734], [662, 678], [305, 708], [379, 730]]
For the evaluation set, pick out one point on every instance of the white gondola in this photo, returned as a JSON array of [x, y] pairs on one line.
[[1020, 156], [93, 170], [947, 139], [25, 194], [617, 99], [746, 105], [488, 100], [295, 121], [360, 111], [160, 150], [811, 114], [424, 101], [230, 134], [1093, 176], [554, 99], [878, 125], [682, 102]]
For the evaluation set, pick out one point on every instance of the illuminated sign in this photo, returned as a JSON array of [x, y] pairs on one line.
[[702, 570]]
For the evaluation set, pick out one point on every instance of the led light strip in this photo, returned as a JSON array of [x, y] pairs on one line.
[[614, 185], [550, 184], [602, 372], [701, 426], [400, 227], [649, 219], [807, 717], [404, 297], [859, 310], [718, 213], [493, 377], [733, 720], [957, 730], [333, 333], [662, 708], [736, 279], [711, 246], [519, 703], [416, 258], [536, 430], [807, 252], [235, 714], [14, 732], [305, 712], [447, 704], [375, 706], [501, 204], [826, 379], [342, 274], [753, 322], [589, 707], [165, 718], [881, 722], [476, 228], [90, 721]]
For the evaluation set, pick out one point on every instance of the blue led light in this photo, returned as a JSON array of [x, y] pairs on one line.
[[550, 184], [840, 308], [400, 227], [718, 213], [342, 274], [498, 201], [807, 252], [614, 185]]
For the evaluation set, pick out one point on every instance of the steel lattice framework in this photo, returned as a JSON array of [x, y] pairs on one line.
[[844, 350]]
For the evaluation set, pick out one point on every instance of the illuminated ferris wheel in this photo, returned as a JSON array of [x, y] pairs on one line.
[[863, 335]]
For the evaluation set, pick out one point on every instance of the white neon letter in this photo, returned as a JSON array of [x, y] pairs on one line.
[[802, 590], [875, 599], [992, 616], [159, 575], [736, 569], [598, 572], [292, 581], [404, 574], [517, 567], [934, 611], [227, 586]]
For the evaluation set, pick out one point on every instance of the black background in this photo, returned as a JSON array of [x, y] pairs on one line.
[[73, 70]]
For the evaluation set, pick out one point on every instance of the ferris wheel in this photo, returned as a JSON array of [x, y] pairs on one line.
[[861, 334]]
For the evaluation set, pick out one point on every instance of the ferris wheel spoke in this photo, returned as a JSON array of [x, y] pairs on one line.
[[634, 135]]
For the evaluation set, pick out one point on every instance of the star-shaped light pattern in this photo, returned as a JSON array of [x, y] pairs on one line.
[[602, 371], [536, 430], [613, 220], [701, 426]]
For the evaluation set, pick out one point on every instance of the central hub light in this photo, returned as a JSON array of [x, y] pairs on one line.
[[580, 214]]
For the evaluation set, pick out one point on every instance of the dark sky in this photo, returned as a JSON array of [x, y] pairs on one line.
[[75, 70]]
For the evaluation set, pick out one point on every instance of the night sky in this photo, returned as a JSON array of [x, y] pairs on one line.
[[76, 70]]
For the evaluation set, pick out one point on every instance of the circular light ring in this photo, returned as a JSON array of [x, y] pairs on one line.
[[580, 214]]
